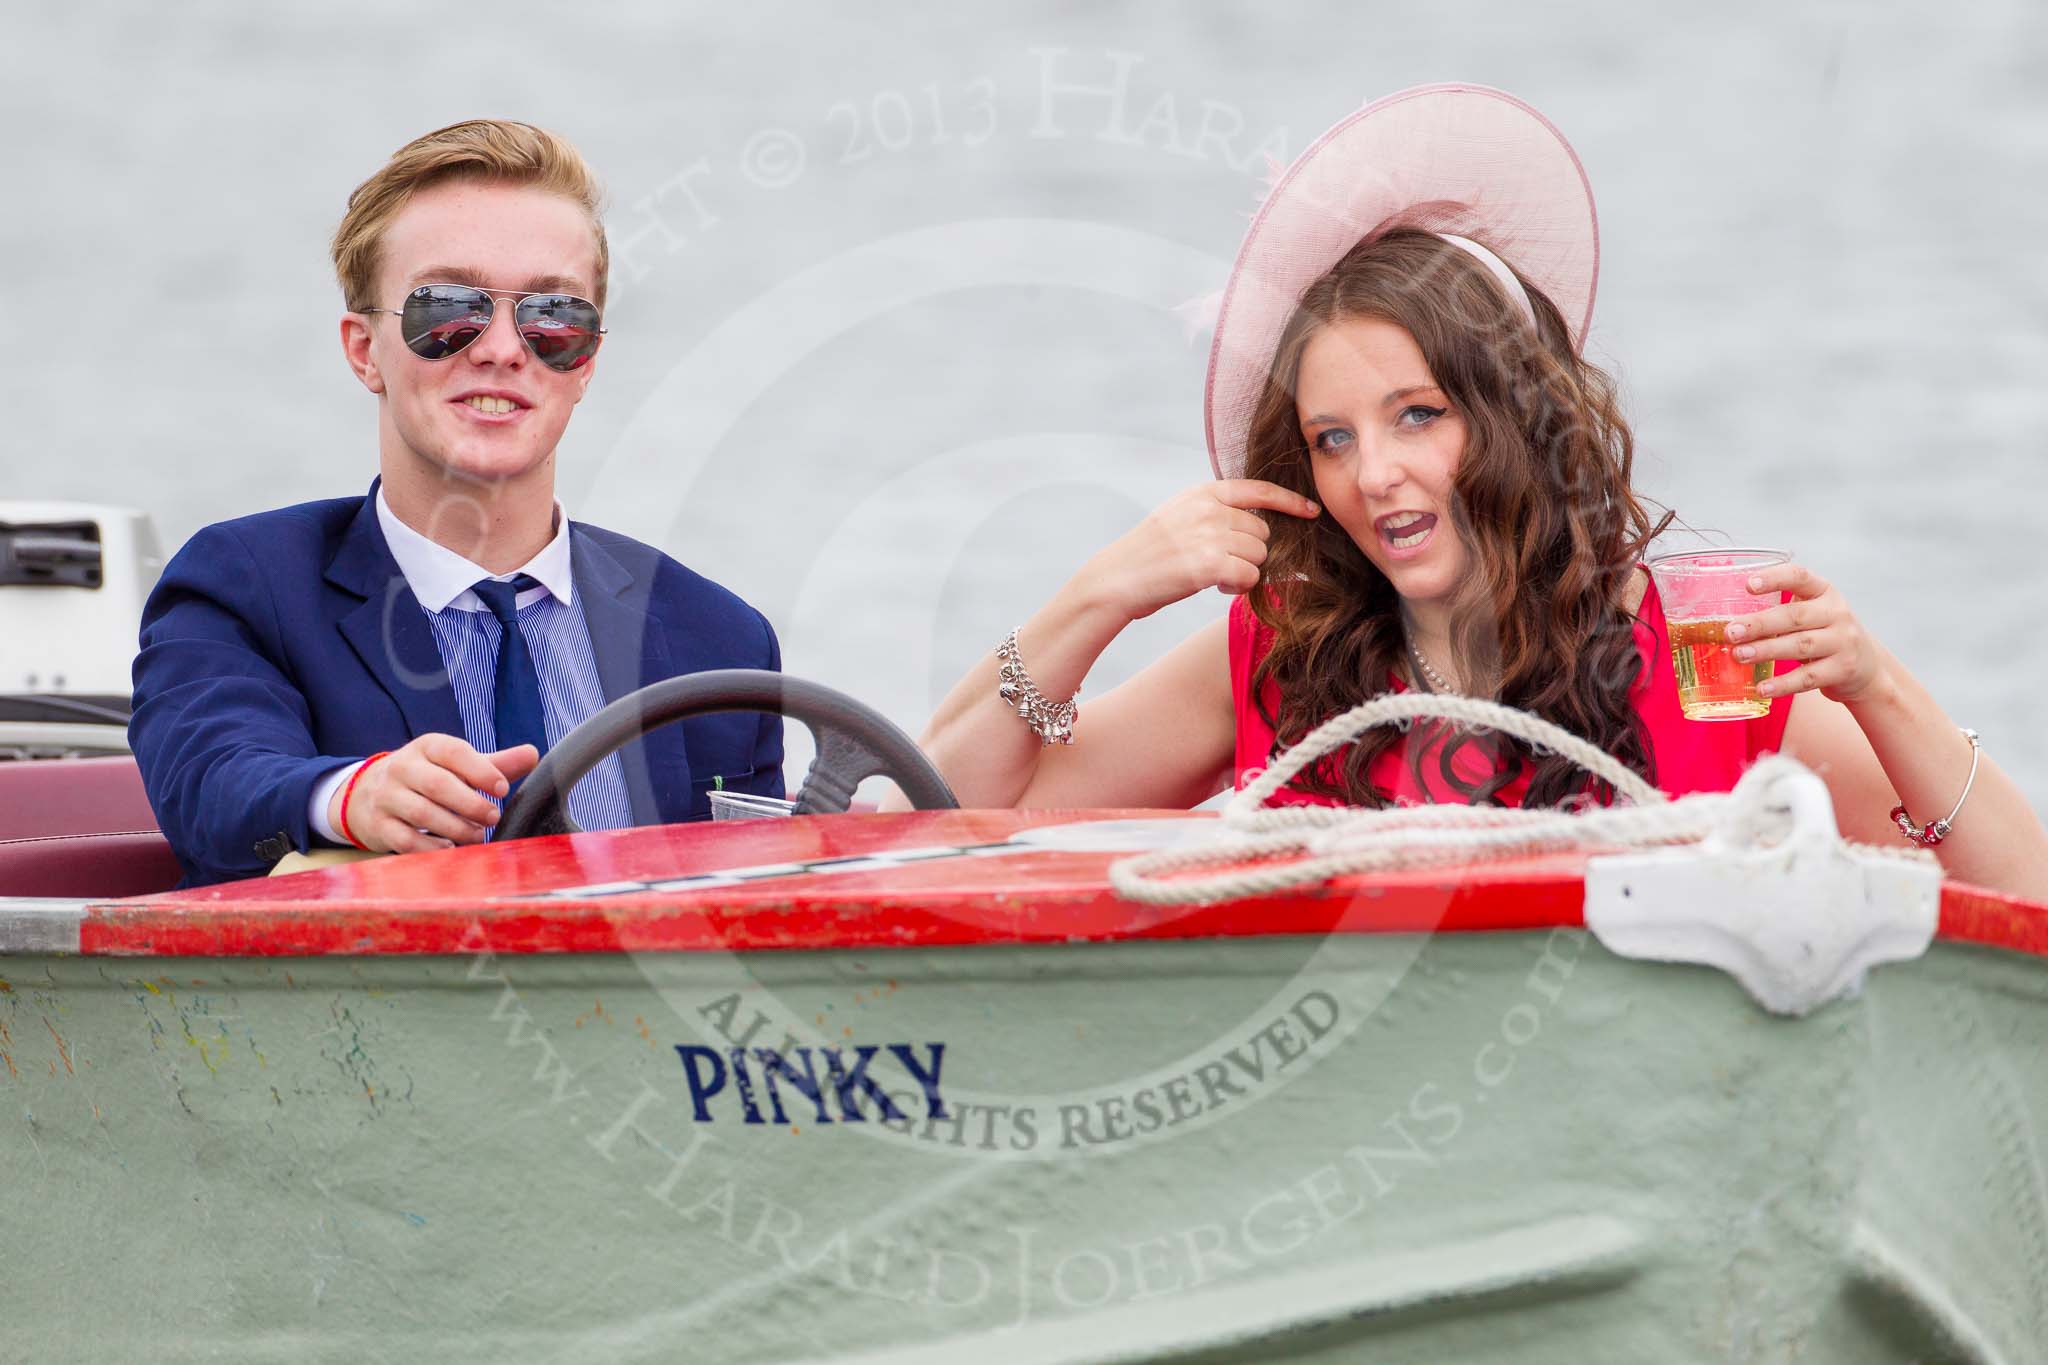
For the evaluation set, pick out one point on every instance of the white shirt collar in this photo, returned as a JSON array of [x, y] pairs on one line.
[[441, 578]]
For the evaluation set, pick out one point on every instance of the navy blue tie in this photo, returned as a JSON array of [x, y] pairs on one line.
[[517, 710]]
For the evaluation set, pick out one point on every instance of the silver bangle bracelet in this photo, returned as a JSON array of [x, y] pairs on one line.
[[1936, 832], [1052, 721]]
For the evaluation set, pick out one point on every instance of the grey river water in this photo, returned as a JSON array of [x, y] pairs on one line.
[[894, 338]]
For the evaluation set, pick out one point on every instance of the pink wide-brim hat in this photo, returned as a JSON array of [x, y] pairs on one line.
[[1466, 160]]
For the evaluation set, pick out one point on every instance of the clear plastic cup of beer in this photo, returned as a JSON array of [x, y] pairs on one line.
[[727, 805], [1702, 591]]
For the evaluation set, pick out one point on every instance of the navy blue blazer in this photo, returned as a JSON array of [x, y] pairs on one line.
[[278, 646]]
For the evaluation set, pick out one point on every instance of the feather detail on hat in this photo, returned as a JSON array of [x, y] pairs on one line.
[[1198, 315], [1269, 180]]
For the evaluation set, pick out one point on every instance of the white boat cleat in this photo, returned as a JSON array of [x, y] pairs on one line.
[[1772, 895]]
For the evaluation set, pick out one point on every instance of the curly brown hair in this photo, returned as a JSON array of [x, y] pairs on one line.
[[1541, 497]]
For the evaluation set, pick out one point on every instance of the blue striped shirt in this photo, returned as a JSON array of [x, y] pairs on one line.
[[570, 692], [467, 635]]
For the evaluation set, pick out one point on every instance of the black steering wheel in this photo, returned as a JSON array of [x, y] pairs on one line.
[[854, 742]]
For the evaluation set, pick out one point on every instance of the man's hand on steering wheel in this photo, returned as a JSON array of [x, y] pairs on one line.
[[428, 794]]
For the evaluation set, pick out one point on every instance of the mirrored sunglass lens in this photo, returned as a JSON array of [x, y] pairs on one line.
[[441, 319], [561, 329]]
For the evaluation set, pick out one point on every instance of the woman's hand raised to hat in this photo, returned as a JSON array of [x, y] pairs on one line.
[[1837, 656], [1210, 536]]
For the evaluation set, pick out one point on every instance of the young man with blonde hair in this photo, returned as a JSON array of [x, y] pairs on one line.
[[380, 671]]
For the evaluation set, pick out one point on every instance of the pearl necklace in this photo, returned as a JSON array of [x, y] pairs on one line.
[[1436, 679]]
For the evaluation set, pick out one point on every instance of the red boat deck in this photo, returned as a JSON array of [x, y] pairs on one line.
[[902, 880]]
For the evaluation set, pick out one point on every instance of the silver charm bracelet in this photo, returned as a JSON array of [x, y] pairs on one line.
[[1936, 832], [1052, 721]]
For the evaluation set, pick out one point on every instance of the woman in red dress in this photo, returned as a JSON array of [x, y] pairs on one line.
[[1424, 484]]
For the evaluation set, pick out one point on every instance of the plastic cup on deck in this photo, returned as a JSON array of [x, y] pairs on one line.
[[1702, 590], [746, 806]]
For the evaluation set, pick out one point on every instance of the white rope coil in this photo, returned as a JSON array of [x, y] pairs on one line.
[[1263, 851], [1464, 712]]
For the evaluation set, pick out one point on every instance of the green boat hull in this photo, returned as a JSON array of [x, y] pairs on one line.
[[1474, 1147]]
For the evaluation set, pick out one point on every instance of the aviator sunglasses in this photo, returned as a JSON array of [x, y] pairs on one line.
[[438, 320]]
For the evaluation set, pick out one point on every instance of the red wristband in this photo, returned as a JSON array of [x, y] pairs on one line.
[[348, 788]]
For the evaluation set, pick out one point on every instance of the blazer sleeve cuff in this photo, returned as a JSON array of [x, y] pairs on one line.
[[317, 823]]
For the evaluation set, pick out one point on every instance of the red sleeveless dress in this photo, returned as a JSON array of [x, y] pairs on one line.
[[1691, 755]]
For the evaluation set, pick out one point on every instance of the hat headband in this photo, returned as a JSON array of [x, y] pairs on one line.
[[1498, 268]]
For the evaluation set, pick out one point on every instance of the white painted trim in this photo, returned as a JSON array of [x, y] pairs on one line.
[[108, 740], [31, 924]]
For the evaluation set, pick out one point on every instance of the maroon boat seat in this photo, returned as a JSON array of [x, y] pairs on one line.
[[80, 827], [72, 796], [135, 863]]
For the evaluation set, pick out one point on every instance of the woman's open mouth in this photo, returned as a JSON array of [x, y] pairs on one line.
[[1405, 533]]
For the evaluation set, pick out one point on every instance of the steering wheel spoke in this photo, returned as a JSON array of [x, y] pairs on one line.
[[841, 765]]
